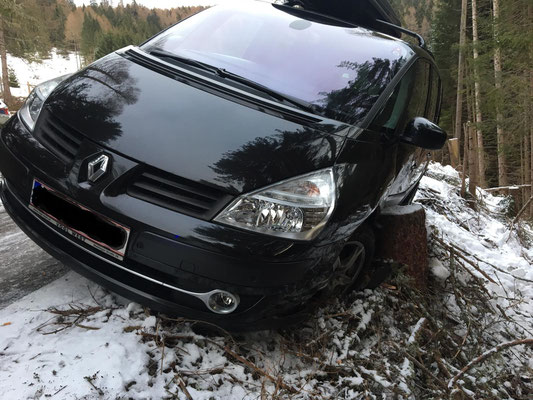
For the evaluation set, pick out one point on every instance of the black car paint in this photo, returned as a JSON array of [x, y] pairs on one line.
[[128, 105]]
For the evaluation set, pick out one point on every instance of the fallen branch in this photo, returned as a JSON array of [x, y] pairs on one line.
[[462, 257], [184, 389], [89, 328], [515, 220], [79, 313], [212, 371], [486, 355], [424, 368], [63, 387], [416, 330], [255, 368], [490, 264], [90, 380], [522, 210]]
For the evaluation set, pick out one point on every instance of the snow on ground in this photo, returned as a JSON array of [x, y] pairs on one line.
[[36, 72], [72, 339], [485, 236]]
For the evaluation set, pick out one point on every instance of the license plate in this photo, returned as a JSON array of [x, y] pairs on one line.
[[79, 222]]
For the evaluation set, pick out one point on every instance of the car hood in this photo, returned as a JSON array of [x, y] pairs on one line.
[[155, 116]]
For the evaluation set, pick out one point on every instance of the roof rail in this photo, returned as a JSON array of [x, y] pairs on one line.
[[421, 41], [374, 14]]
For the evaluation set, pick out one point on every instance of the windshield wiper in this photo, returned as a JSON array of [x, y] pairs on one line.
[[221, 72], [271, 92], [185, 60]]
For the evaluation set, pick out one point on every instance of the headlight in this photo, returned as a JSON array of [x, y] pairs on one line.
[[297, 208], [33, 105]]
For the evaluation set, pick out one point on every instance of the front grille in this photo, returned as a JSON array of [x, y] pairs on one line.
[[59, 138], [178, 194]]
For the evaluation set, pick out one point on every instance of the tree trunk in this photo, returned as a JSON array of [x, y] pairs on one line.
[[404, 240], [460, 72], [473, 162], [465, 163], [522, 163], [477, 93], [530, 18], [502, 160], [3, 59], [527, 172]]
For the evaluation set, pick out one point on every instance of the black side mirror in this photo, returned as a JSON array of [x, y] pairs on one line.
[[421, 132]]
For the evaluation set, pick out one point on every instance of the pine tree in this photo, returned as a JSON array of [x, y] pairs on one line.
[[477, 94], [90, 34], [502, 162], [6, 92], [20, 34], [13, 81]]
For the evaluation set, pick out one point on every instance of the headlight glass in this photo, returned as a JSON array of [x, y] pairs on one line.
[[296, 209], [33, 105]]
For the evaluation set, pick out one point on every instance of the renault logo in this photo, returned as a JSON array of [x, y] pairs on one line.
[[97, 168]]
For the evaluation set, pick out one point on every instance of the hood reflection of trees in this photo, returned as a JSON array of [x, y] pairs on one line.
[[102, 91], [269, 159]]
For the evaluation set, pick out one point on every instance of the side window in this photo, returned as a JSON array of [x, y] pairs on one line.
[[411, 93], [389, 116], [419, 95], [434, 96]]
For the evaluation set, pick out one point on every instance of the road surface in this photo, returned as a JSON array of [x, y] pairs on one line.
[[24, 267]]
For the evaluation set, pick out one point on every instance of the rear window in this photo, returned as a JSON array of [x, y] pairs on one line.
[[340, 71]]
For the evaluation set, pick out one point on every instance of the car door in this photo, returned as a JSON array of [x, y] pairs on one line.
[[416, 95]]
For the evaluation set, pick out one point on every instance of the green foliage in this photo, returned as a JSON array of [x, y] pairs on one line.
[[110, 42], [57, 31], [24, 32], [513, 35], [444, 39], [90, 35], [33, 27], [13, 81], [413, 13]]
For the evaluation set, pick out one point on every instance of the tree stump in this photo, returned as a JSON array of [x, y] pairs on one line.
[[402, 237]]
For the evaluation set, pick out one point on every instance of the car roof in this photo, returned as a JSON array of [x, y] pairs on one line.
[[360, 12], [375, 15]]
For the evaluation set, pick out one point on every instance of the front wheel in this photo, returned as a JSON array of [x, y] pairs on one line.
[[353, 270]]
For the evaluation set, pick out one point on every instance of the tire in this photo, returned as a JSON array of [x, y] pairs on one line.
[[355, 260]]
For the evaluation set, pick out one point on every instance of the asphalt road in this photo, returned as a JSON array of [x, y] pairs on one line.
[[24, 267]]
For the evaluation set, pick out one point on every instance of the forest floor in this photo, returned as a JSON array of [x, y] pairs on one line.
[[466, 337]]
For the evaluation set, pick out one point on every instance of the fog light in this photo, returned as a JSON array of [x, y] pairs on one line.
[[2, 181], [222, 302]]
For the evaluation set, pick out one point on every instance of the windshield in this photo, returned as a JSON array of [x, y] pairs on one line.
[[340, 71]]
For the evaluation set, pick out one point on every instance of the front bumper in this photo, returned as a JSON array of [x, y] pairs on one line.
[[275, 280]]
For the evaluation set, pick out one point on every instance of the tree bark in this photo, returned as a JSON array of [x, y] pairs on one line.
[[460, 72], [3, 58], [404, 240], [477, 94], [502, 160], [465, 164], [530, 18], [472, 160], [522, 163], [527, 171]]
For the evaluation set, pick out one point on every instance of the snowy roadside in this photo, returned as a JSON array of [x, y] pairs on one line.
[[36, 72], [391, 342]]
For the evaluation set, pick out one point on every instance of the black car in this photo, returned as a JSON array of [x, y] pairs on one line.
[[227, 169]]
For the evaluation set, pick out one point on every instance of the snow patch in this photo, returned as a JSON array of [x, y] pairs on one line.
[[438, 269]]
